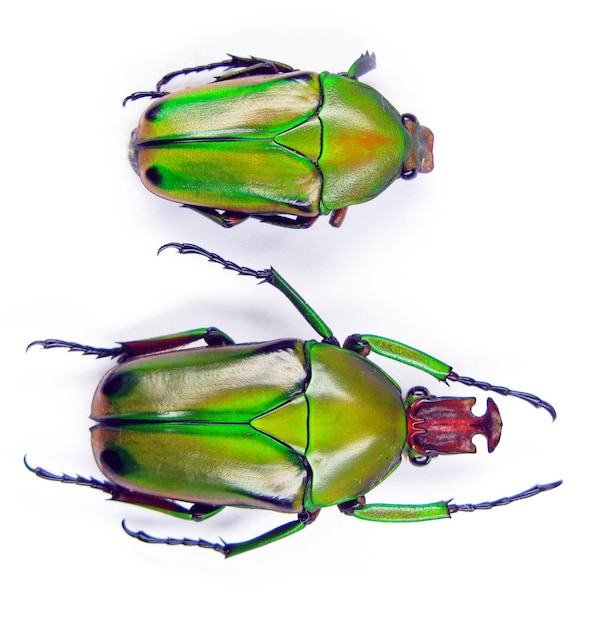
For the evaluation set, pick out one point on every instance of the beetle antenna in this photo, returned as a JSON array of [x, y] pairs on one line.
[[504, 391]]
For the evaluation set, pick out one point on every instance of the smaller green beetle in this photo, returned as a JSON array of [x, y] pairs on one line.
[[286, 425], [266, 141]]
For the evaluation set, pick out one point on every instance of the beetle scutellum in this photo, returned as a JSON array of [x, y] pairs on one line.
[[286, 425], [266, 141]]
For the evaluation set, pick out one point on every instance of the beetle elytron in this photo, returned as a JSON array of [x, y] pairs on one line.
[[286, 425], [266, 141]]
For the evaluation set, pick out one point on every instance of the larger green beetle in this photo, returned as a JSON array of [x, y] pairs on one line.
[[279, 145], [287, 425]]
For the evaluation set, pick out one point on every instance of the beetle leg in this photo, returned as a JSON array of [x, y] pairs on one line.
[[232, 549], [129, 349], [137, 95], [483, 506], [243, 66], [425, 512], [365, 63], [337, 217], [261, 68], [270, 276], [394, 512], [211, 335], [77, 347], [197, 512], [226, 219], [300, 221], [504, 391], [391, 349], [397, 351]]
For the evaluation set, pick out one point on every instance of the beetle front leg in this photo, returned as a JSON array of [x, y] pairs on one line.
[[232, 549], [391, 349], [395, 512], [435, 510]]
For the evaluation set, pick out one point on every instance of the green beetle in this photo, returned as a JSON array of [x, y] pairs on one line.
[[280, 145], [286, 425]]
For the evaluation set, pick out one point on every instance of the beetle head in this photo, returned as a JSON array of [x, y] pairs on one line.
[[420, 158], [447, 425]]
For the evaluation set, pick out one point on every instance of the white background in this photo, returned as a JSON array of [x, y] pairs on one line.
[[492, 263]]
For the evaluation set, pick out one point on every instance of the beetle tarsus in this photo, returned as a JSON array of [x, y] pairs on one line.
[[137, 95], [484, 506], [364, 64], [100, 353], [504, 391], [241, 66], [141, 535], [92, 482], [189, 248]]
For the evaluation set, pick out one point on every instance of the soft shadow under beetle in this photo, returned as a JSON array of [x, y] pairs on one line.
[[286, 425], [264, 140]]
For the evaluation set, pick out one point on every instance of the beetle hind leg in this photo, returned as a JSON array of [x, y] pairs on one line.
[[129, 349], [240, 66], [76, 347], [196, 512], [211, 335]]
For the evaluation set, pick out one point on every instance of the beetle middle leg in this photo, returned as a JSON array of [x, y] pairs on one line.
[[232, 549], [270, 276]]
